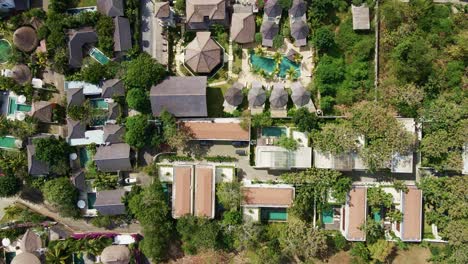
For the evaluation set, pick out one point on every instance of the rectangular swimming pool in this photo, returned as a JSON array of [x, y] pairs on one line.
[[327, 216], [23, 108], [12, 106], [273, 131], [91, 200], [99, 103], [99, 56], [7, 142], [274, 214]]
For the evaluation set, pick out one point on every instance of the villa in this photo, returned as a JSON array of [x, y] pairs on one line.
[[354, 214], [35, 167], [242, 25], [112, 8], [298, 22], [410, 229], [201, 14], [219, 129], [78, 39], [110, 202], [203, 54], [113, 158], [264, 202]]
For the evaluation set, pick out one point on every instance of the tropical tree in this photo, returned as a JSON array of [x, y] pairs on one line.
[[291, 73], [197, 234], [61, 193], [336, 138], [229, 195], [9, 186], [288, 143], [380, 250], [143, 72], [259, 50], [304, 120], [57, 255], [378, 198], [278, 57], [54, 151]]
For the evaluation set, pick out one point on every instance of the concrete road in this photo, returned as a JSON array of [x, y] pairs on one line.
[[152, 38]]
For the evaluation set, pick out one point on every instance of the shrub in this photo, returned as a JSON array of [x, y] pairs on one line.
[[102, 221], [9, 185], [221, 159], [138, 99]]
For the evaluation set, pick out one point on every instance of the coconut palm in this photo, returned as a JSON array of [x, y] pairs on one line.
[[58, 254], [297, 58], [278, 57], [291, 73], [259, 51]]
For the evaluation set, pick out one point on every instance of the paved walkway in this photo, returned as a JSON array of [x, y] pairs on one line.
[[152, 38]]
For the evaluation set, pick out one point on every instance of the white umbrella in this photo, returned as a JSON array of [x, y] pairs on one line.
[[18, 143], [73, 156], [81, 204], [21, 99], [20, 116], [6, 242]]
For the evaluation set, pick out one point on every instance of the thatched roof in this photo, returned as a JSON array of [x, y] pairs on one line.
[[203, 54], [257, 97], [21, 74], [25, 39], [117, 254], [234, 94], [42, 110], [300, 31], [299, 96], [298, 8], [272, 8], [279, 96], [30, 242], [25, 258]]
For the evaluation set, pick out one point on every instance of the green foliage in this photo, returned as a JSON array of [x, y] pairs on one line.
[[378, 198], [102, 221], [105, 32], [9, 186], [138, 99], [360, 251], [323, 39], [151, 208], [180, 6], [105, 181], [286, 142], [197, 234], [220, 158], [304, 120], [53, 151], [380, 250], [140, 133], [336, 138], [80, 112], [16, 128], [143, 72], [400, 185], [174, 135], [231, 218], [18, 213], [329, 73], [261, 120], [229, 195], [374, 231], [278, 41], [340, 242], [14, 163], [61, 193]]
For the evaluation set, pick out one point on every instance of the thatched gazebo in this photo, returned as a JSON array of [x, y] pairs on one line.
[[203, 54], [116, 254], [25, 39], [21, 74], [233, 95], [25, 258], [256, 96], [279, 96], [299, 96]]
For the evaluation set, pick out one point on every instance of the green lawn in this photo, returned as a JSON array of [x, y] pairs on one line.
[[215, 101], [84, 3]]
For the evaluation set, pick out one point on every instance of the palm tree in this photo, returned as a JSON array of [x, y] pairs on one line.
[[297, 57], [259, 51], [278, 57], [57, 254], [291, 73]]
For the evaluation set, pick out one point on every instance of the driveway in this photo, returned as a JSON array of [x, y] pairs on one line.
[[152, 37]]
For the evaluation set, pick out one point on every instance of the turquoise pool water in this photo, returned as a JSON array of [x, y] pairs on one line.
[[99, 103], [99, 56], [327, 216], [273, 131], [269, 64], [24, 108], [377, 217], [91, 200], [7, 142], [12, 106], [274, 214]]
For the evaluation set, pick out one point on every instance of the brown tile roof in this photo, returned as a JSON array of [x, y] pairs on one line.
[[206, 130], [203, 54], [356, 214], [197, 10], [162, 9], [243, 27], [204, 192], [412, 215], [268, 196], [182, 191]]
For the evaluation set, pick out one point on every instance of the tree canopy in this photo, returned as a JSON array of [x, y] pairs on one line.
[[61, 193], [197, 234], [54, 151], [143, 72], [140, 132], [9, 185]]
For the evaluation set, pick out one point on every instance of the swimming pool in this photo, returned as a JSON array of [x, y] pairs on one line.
[[23, 108], [269, 64], [377, 217], [327, 216], [13, 107], [99, 56], [91, 200], [274, 214], [84, 157], [99, 103], [7, 142], [273, 131]]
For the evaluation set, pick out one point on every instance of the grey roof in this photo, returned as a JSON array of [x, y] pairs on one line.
[[115, 254], [243, 27], [76, 129], [75, 97], [115, 157], [113, 111], [42, 111], [110, 202], [25, 258], [291, 54], [122, 34], [198, 10], [36, 167], [269, 31], [21, 5], [181, 96], [257, 96], [78, 180], [112, 88], [300, 31], [162, 9], [113, 133], [272, 8], [78, 38], [111, 8], [298, 8], [21, 74], [234, 94], [30, 242], [361, 20], [279, 96], [299, 96], [202, 54]]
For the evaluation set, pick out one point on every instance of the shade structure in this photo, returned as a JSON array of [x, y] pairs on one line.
[[300, 96], [234, 94], [203, 54], [25, 39], [117, 254], [272, 8], [299, 30], [21, 74], [279, 96], [269, 30], [25, 258], [257, 97], [30, 242], [298, 8]]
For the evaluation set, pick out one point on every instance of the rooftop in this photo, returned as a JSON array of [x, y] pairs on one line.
[[222, 129], [268, 196], [114, 157], [411, 227], [110, 202], [204, 192], [203, 54], [355, 213], [361, 20], [182, 191]]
